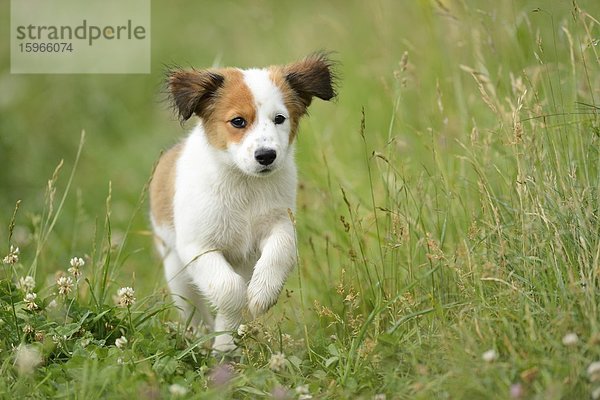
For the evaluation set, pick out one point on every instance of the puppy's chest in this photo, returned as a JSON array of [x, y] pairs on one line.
[[236, 216]]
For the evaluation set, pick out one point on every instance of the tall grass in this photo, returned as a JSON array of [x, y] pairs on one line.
[[448, 232]]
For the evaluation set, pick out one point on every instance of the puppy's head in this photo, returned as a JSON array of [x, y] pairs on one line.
[[252, 115]]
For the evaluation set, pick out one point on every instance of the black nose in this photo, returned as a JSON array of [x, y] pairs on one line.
[[265, 156]]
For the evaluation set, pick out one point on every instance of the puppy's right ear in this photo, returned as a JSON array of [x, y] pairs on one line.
[[192, 91]]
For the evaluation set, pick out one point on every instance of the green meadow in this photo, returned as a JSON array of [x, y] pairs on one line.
[[448, 212]]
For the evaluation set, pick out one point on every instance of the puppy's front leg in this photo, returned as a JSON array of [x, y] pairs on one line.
[[223, 288], [278, 256]]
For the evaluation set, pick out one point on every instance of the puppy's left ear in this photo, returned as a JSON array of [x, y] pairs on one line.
[[312, 77]]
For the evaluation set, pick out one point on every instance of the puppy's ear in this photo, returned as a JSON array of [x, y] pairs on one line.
[[192, 91], [312, 77]]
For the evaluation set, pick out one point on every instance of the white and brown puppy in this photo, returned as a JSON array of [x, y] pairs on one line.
[[220, 198]]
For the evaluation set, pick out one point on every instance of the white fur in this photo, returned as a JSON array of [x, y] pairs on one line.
[[265, 134], [233, 243]]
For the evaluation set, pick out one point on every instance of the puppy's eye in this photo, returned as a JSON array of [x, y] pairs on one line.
[[238, 122], [279, 119]]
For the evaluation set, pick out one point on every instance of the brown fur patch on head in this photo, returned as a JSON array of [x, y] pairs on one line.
[[232, 100], [216, 96]]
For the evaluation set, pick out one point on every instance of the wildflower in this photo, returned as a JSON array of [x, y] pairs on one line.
[[39, 336], [277, 362], [302, 389], [287, 340], [126, 297], [65, 285], [26, 284], [177, 390], [30, 301], [221, 374], [243, 330], [280, 393], [593, 371], [490, 356], [12, 257], [76, 264], [517, 391], [303, 392], [570, 339], [121, 342], [27, 358], [28, 329]]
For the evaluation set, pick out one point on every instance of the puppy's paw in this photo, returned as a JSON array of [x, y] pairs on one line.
[[260, 299]]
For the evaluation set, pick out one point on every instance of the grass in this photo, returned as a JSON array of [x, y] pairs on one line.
[[448, 212]]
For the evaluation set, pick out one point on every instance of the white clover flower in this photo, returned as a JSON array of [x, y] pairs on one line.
[[12, 257], [39, 336], [570, 339], [177, 390], [121, 342], [26, 284], [277, 362], [302, 389], [593, 371], [303, 392], [30, 301], [65, 285], [489, 356], [243, 330], [76, 263], [126, 297], [27, 358], [28, 329]]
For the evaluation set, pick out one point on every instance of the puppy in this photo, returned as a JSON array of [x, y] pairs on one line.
[[221, 199]]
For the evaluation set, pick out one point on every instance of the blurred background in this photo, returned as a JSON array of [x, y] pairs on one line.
[[404, 62]]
